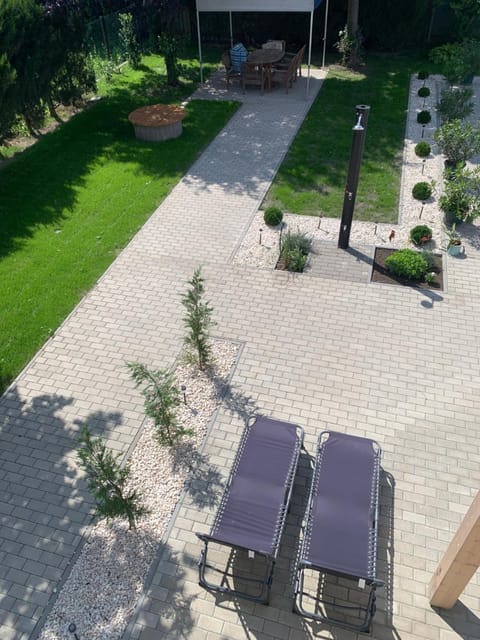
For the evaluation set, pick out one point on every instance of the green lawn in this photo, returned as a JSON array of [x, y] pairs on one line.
[[311, 180], [71, 202]]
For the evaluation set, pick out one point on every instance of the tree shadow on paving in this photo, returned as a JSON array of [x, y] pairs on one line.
[[171, 594], [234, 401], [44, 508], [204, 483]]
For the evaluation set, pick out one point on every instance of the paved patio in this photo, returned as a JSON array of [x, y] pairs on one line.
[[395, 364]]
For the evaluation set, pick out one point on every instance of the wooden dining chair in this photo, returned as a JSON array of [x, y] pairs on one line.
[[253, 74], [230, 73]]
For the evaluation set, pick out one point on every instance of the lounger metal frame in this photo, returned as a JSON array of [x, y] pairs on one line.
[[265, 583], [365, 613]]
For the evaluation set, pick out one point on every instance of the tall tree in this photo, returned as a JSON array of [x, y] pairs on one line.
[[352, 18]]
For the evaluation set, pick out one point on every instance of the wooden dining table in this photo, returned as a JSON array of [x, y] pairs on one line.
[[266, 58]]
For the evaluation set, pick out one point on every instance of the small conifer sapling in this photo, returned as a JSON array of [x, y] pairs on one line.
[[198, 322], [107, 479]]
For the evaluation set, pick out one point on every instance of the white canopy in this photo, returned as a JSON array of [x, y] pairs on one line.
[[231, 6], [257, 5]]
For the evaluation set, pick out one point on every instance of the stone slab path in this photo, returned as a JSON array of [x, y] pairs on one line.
[[396, 364]]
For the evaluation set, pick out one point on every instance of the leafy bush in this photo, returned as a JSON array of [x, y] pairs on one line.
[[406, 263], [422, 74], [455, 104], [107, 480], [422, 191], [457, 59], [423, 117], [420, 234], [458, 141], [295, 250], [423, 149], [350, 47], [461, 199], [272, 216], [423, 92]]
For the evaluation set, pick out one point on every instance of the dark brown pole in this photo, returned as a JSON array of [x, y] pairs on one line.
[[356, 153]]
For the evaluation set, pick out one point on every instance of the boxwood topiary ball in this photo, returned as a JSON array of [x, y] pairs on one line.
[[420, 234], [423, 149], [272, 216], [423, 117], [422, 74], [424, 92], [422, 191]]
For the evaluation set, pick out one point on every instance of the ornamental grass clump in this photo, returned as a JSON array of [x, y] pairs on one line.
[[295, 250], [408, 264], [107, 480], [421, 234]]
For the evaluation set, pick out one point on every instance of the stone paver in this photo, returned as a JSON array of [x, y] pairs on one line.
[[399, 365]]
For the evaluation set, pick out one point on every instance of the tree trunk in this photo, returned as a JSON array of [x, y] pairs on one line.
[[352, 17]]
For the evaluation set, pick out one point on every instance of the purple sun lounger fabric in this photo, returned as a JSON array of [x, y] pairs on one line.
[[252, 512], [342, 510], [340, 536]]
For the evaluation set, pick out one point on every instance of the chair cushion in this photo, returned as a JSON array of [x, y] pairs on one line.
[[274, 44], [238, 56]]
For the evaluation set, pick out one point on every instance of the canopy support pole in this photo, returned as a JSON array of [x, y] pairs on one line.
[[309, 51], [231, 29], [325, 34], [199, 47]]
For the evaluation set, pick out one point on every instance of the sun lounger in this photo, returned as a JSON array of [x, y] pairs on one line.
[[340, 533], [252, 512]]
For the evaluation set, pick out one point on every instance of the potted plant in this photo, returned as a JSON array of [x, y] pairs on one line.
[[458, 141], [454, 244]]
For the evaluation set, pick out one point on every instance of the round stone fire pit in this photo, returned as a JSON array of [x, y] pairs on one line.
[[157, 122]]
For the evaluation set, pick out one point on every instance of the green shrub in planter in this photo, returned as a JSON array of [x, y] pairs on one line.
[[423, 117], [422, 74], [420, 234], [423, 149], [423, 92], [406, 263], [422, 191], [272, 216], [455, 104]]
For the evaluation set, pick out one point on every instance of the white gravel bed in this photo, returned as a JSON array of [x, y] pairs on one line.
[[260, 245], [102, 590]]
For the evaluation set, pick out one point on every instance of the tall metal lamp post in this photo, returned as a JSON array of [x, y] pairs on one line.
[[356, 153]]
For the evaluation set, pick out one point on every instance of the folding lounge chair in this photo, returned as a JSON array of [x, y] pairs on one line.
[[254, 506], [340, 532]]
